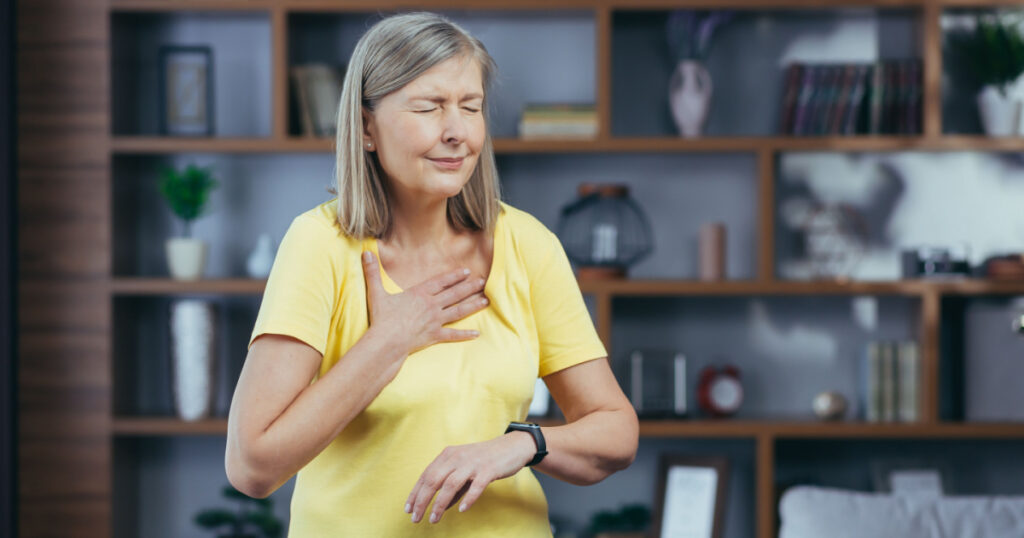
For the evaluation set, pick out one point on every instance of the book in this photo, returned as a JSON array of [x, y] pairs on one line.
[[323, 84], [887, 381], [794, 74], [909, 371], [300, 92], [872, 383]]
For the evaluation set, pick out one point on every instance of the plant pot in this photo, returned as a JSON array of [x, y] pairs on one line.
[[1000, 114], [193, 353], [689, 97], [186, 258]]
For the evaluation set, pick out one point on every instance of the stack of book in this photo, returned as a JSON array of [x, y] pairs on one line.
[[558, 121], [892, 381], [849, 99], [317, 90]]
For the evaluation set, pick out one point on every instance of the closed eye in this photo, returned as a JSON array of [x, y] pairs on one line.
[[471, 109], [425, 110]]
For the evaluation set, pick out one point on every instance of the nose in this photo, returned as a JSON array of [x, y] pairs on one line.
[[454, 127]]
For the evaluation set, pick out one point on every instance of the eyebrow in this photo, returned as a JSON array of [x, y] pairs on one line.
[[440, 99]]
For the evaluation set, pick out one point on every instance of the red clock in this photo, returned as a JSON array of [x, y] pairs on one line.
[[719, 391]]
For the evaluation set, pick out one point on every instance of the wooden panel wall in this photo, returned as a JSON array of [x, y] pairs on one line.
[[64, 251]]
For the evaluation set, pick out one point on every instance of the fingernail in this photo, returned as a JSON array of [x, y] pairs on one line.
[[462, 507], [465, 271], [475, 333], [408, 508], [481, 282], [434, 518], [484, 301], [366, 256], [414, 514]]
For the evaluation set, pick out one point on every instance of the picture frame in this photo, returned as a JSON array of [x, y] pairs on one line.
[[691, 496], [185, 88], [926, 477]]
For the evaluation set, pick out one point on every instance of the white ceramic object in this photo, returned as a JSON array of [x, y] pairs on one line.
[[193, 349], [186, 258], [1001, 114], [261, 259], [689, 96]]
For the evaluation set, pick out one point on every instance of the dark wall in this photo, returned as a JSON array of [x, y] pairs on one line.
[[8, 205]]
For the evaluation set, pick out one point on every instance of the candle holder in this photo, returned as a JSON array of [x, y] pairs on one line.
[[604, 231]]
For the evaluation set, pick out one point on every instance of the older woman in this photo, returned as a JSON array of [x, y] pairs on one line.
[[404, 323]]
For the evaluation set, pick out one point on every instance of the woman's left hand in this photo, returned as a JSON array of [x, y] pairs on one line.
[[468, 469]]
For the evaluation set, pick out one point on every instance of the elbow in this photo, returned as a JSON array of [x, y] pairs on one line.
[[245, 476]]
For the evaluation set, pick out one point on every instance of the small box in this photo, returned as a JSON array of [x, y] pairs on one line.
[[656, 380]]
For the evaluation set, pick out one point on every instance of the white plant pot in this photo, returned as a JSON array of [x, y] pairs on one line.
[[193, 353], [689, 97], [186, 258], [1001, 114]]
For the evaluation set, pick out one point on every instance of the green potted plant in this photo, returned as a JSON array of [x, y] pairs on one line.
[[993, 53], [629, 521], [186, 192], [253, 519]]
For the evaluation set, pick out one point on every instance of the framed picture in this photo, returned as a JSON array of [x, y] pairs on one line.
[[690, 500], [186, 90], [926, 477]]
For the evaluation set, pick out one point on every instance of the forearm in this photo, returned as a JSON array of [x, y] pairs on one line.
[[591, 448], [321, 412]]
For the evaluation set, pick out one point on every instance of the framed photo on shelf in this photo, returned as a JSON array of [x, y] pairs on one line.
[[186, 90], [690, 500], [922, 477]]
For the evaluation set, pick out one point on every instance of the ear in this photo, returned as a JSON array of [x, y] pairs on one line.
[[369, 131]]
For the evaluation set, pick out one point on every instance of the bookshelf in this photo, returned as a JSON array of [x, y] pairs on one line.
[[61, 290]]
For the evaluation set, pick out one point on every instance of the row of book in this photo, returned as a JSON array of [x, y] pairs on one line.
[[562, 121], [892, 382], [849, 99], [317, 90]]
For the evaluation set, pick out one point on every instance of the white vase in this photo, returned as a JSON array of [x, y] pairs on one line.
[[1001, 114], [261, 259], [186, 258], [689, 96], [193, 351]]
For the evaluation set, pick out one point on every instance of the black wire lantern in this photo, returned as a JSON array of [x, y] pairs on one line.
[[604, 231]]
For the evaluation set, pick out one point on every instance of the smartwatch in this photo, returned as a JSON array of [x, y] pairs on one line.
[[538, 438]]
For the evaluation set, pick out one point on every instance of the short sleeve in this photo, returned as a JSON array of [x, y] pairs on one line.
[[302, 287], [564, 329]]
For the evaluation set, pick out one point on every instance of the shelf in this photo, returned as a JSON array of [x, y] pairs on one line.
[[145, 144], [627, 288], [161, 426], [167, 286], [385, 5]]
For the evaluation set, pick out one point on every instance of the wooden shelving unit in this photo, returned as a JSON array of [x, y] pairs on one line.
[[765, 148], [163, 426]]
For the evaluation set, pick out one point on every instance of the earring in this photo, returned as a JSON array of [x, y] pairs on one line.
[[369, 145]]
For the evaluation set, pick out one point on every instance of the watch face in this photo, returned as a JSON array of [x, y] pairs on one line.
[[726, 393]]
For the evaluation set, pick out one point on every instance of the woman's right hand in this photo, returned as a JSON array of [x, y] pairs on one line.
[[415, 318]]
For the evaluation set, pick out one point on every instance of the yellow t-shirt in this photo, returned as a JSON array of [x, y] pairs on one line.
[[446, 394]]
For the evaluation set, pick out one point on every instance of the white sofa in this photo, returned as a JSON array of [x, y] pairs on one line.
[[814, 512]]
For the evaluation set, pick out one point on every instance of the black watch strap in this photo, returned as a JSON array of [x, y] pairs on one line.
[[538, 439]]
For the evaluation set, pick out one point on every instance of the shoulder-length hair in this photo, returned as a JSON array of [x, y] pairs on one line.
[[390, 55]]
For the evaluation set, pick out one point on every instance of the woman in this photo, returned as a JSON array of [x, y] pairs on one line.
[[404, 324]]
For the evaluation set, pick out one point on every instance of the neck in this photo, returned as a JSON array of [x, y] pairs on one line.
[[419, 223]]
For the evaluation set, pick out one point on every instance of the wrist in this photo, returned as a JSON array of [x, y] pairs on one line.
[[523, 446]]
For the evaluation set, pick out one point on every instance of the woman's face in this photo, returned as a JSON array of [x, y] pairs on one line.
[[428, 135]]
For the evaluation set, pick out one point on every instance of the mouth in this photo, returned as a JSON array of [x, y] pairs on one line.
[[448, 163]]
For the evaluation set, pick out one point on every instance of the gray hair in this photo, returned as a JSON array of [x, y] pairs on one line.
[[391, 54]]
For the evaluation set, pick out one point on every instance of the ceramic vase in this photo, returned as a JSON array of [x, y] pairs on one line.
[[186, 258], [689, 97], [261, 259], [193, 354]]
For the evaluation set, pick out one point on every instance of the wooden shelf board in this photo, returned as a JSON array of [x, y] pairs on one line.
[[247, 286], [167, 286], [159, 145], [169, 426], [388, 5]]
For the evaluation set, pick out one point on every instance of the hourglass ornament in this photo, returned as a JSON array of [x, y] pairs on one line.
[[604, 231]]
